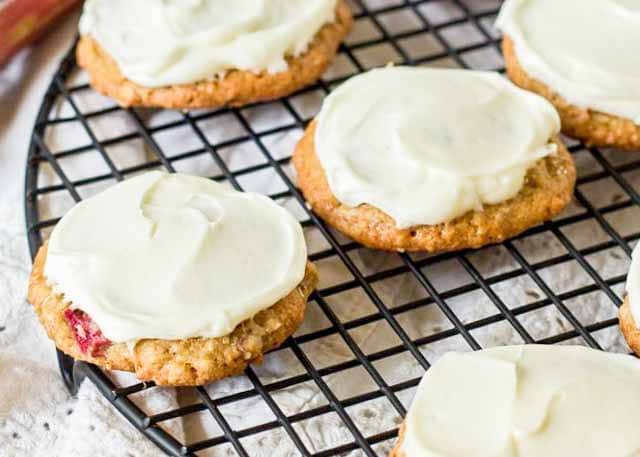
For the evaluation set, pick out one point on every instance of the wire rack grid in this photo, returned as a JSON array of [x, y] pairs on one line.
[[455, 33]]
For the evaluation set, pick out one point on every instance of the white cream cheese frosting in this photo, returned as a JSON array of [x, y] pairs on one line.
[[428, 145], [159, 43], [586, 51], [633, 285], [173, 256], [527, 401]]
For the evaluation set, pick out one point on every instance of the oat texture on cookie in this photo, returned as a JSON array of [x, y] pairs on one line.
[[152, 276], [583, 60], [383, 167], [209, 53]]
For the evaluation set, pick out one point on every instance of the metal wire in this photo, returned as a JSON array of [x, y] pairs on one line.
[[456, 54]]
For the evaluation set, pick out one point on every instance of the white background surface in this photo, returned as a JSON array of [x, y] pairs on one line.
[[37, 416]]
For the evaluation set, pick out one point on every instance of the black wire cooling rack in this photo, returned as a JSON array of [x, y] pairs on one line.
[[455, 33]]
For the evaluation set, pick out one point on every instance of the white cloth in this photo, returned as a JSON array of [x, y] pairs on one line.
[[37, 415], [34, 405]]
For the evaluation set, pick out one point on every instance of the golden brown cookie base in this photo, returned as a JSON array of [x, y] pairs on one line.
[[547, 190], [628, 327], [592, 127], [194, 361], [236, 88], [396, 451]]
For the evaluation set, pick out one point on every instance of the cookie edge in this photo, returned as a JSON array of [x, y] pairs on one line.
[[236, 88], [592, 127], [628, 326], [50, 308], [375, 229], [397, 448]]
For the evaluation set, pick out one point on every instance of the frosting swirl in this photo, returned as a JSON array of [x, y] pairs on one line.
[[526, 401], [173, 256], [160, 43], [588, 53], [428, 145]]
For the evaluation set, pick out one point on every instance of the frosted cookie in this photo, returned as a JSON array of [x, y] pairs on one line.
[[174, 277], [424, 159], [629, 314], [583, 59], [525, 401], [208, 53]]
